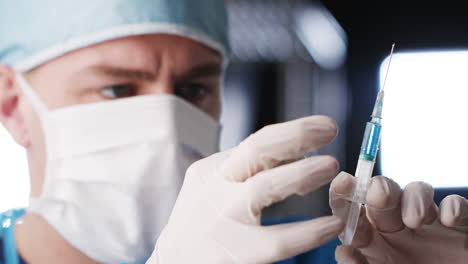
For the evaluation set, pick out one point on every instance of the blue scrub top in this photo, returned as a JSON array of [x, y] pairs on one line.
[[9, 253]]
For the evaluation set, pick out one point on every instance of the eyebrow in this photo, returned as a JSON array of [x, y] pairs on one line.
[[198, 71], [124, 73], [202, 71]]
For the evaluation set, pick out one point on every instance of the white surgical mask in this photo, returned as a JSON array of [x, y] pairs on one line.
[[114, 170]]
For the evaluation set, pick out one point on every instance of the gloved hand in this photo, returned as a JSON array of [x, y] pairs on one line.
[[216, 218], [401, 226]]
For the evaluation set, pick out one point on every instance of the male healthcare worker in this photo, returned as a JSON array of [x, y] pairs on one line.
[[114, 99]]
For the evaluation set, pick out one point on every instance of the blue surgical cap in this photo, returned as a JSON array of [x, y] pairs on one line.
[[33, 32]]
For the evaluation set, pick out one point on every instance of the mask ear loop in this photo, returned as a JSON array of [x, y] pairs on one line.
[[41, 111], [35, 101], [31, 95]]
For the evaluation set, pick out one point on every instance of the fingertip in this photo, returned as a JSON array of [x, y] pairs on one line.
[[321, 125], [342, 252], [349, 255], [330, 122], [333, 223], [383, 193], [412, 222], [446, 213], [326, 165], [451, 210], [343, 183], [326, 228], [424, 187], [316, 171], [303, 236], [332, 163], [417, 203]]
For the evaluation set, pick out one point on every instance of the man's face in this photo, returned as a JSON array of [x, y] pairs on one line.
[[132, 66]]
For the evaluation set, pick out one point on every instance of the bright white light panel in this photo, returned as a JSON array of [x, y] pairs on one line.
[[14, 176], [425, 133]]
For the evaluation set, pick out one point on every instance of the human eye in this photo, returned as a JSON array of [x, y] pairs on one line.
[[118, 91], [194, 92]]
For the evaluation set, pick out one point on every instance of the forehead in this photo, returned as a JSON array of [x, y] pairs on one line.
[[145, 51]]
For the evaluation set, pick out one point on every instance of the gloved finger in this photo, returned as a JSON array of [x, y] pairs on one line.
[[273, 243], [417, 204], [454, 211], [383, 204], [300, 177], [349, 255], [288, 240], [275, 144], [341, 190]]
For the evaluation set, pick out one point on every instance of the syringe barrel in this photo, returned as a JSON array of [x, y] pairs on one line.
[[363, 176], [371, 140]]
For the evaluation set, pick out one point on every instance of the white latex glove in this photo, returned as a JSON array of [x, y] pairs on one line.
[[216, 218], [400, 226]]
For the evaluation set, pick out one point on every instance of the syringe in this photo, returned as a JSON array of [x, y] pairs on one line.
[[365, 166]]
